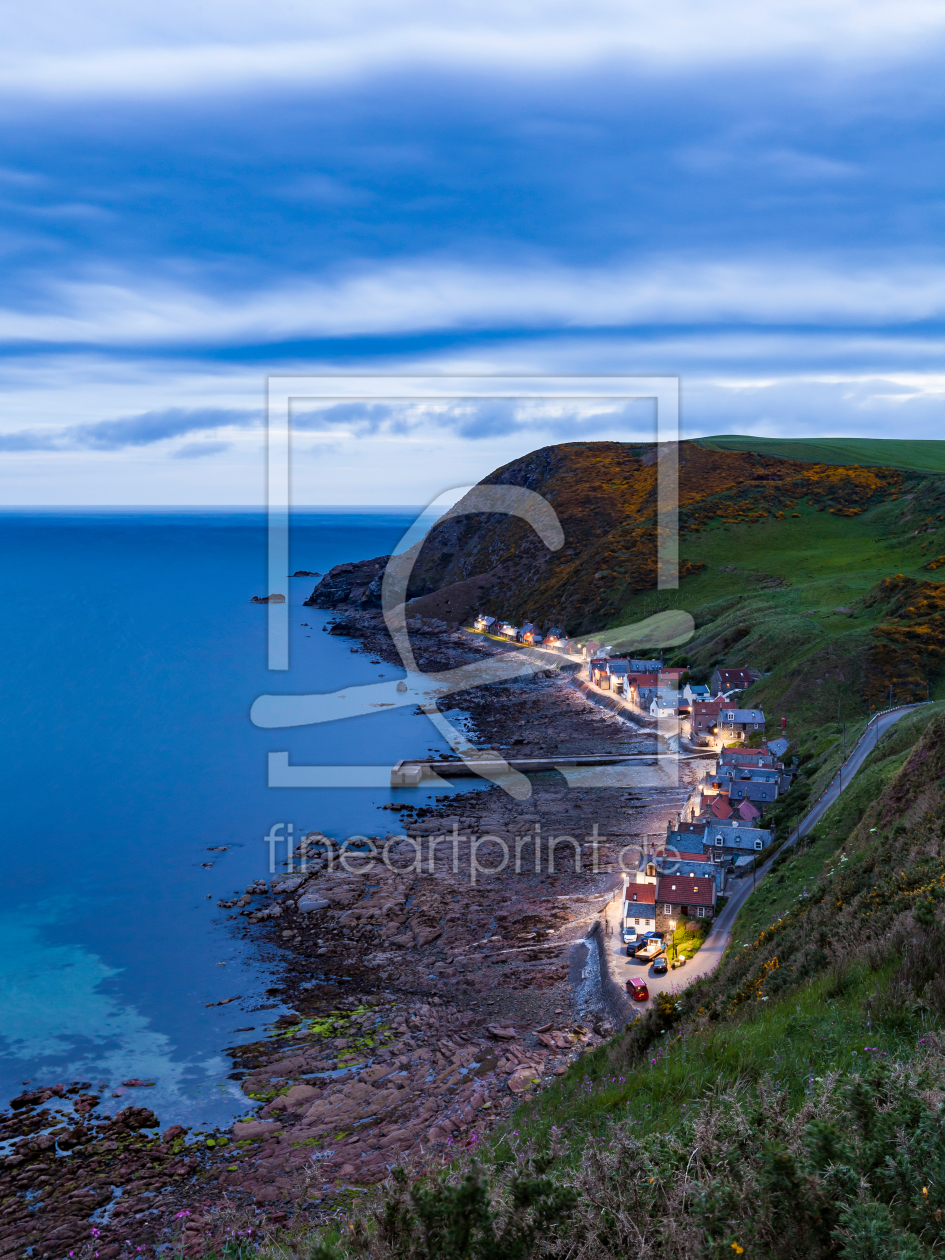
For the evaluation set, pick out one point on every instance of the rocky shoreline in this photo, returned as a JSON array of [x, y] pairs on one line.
[[429, 992]]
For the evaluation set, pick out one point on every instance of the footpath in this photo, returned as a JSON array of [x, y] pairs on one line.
[[613, 954]]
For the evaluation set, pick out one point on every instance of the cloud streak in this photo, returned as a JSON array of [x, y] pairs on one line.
[[425, 295], [120, 51], [129, 431]]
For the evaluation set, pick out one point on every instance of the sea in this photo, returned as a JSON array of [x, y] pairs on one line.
[[131, 655]]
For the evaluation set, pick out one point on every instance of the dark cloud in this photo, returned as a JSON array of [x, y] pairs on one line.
[[141, 430], [363, 418], [196, 450], [154, 426], [27, 440]]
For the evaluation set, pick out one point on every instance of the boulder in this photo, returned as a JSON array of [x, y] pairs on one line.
[[311, 901], [254, 1130], [298, 1095], [523, 1079], [501, 1034]]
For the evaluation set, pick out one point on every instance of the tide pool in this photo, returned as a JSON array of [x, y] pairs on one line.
[[131, 655]]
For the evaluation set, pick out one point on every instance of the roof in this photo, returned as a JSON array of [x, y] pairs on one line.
[[740, 837], [741, 715], [707, 706], [720, 807], [642, 894], [686, 826], [748, 811], [733, 676], [686, 890], [683, 859]]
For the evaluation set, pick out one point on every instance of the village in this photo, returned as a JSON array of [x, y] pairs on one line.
[[680, 882]]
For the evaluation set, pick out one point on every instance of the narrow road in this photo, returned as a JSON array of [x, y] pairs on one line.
[[710, 955]]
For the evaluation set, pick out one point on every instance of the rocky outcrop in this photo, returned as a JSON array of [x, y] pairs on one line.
[[356, 585], [268, 599]]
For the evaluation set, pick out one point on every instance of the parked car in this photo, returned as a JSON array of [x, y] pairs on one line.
[[650, 949], [659, 966], [638, 990]]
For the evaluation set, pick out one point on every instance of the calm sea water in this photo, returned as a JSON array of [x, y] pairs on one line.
[[130, 657]]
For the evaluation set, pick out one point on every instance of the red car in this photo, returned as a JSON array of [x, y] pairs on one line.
[[638, 990]]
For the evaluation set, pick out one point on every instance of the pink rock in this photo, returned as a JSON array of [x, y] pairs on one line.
[[501, 1034], [522, 1080], [253, 1130], [298, 1095]]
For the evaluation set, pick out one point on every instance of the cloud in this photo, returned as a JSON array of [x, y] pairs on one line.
[[197, 450], [424, 295], [129, 431], [127, 51]]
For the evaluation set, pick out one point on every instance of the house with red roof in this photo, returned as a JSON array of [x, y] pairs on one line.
[[729, 680], [680, 897]]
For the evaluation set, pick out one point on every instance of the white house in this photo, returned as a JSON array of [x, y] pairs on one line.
[[665, 704]]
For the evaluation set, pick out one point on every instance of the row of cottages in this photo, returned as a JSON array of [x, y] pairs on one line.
[[527, 633], [722, 819]]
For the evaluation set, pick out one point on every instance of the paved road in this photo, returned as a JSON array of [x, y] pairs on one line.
[[710, 955]]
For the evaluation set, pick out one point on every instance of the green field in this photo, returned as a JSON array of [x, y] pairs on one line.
[[796, 599], [915, 455]]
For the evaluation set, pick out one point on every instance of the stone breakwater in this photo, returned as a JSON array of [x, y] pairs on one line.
[[424, 1005]]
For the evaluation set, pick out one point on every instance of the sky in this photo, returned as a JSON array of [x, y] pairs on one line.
[[195, 198]]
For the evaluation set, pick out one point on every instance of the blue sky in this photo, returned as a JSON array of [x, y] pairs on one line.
[[751, 198]]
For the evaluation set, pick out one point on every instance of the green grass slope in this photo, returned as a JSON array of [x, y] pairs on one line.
[[822, 605], [916, 455], [789, 1107]]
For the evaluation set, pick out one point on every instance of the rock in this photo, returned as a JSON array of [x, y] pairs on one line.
[[310, 901], [523, 1079], [136, 1118], [501, 1034], [268, 599], [287, 885], [253, 1130], [298, 1095], [375, 1073], [267, 1194], [306, 573], [544, 1028]]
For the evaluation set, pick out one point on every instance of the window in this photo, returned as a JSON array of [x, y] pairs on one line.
[[636, 921], [701, 912], [667, 909], [718, 841], [757, 844]]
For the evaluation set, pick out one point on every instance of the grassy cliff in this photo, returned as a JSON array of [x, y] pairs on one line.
[[791, 1105]]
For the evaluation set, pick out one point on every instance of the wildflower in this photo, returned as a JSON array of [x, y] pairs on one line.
[[738, 1250], [925, 1192]]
